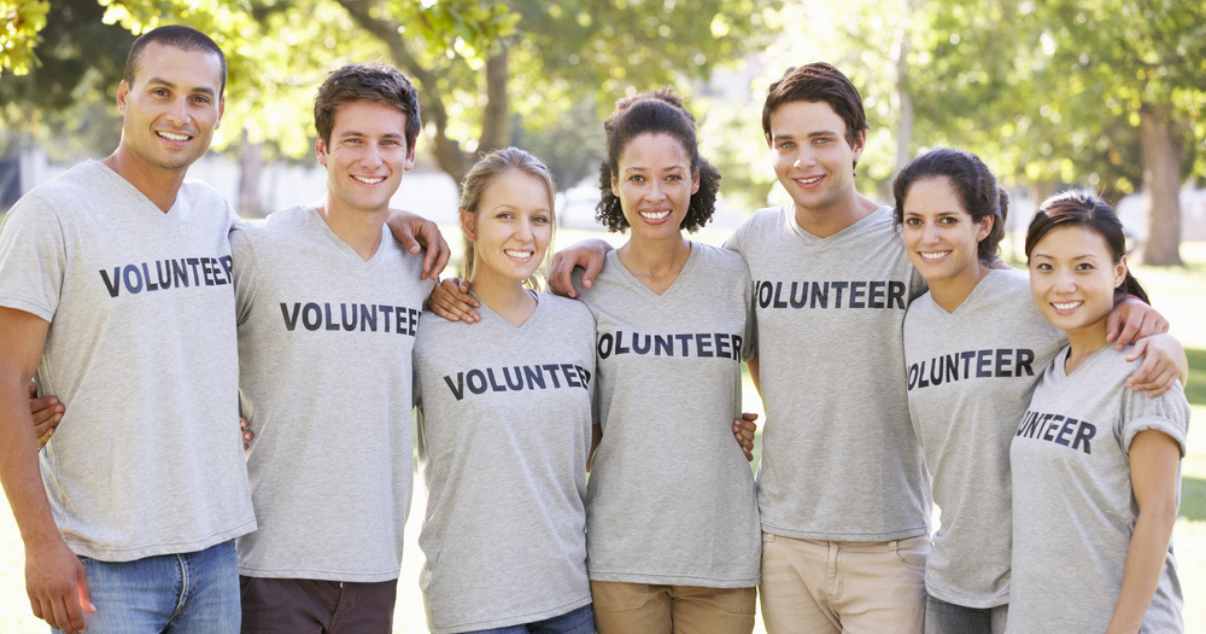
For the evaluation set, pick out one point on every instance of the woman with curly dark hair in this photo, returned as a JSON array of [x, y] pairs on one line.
[[672, 524], [673, 536]]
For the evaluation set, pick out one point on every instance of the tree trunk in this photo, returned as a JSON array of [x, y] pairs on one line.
[[251, 164], [496, 120], [902, 100], [1161, 149]]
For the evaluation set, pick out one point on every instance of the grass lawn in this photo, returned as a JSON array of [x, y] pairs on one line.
[[1180, 295]]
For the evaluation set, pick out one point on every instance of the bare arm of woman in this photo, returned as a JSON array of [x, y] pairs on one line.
[[1154, 458], [1164, 362]]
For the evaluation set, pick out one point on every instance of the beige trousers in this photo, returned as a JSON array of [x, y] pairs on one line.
[[638, 608], [820, 587]]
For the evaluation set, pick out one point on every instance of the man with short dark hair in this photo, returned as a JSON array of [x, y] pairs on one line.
[[115, 284], [324, 300]]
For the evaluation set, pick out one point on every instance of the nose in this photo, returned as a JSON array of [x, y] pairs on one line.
[[929, 234], [523, 231], [178, 112], [805, 158], [1065, 282]]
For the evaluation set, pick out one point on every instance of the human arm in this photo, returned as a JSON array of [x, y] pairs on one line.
[[1164, 362], [413, 231], [755, 373], [1132, 320], [1154, 457], [46, 412], [55, 580], [588, 254]]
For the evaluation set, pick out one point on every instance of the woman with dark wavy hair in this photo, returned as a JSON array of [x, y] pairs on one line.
[[673, 535]]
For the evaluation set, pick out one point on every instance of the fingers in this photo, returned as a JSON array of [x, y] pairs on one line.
[[561, 275], [451, 300], [248, 435], [593, 266], [33, 390], [438, 251], [744, 430], [1129, 333], [85, 592]]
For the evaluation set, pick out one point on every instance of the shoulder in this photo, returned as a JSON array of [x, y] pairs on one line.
[[719, 262], [79, 188], [570, 310]]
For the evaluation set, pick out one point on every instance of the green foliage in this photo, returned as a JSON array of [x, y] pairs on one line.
[[22, 20]]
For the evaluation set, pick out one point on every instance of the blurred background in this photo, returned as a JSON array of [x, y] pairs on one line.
[[1052, 94]]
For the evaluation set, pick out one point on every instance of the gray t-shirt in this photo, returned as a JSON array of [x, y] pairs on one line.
[[671, 495], [141, 349], [325, 340], [1073, 506], [840, 460], [505, 431], [971, 374]]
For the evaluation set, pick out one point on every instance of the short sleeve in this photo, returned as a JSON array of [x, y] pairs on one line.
[[33, 258], [1167, 413], [244, 265]]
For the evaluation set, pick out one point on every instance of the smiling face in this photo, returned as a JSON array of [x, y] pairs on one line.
[[366, 157], [1073, 276], [170, 111], [654, 182], [511, 228], [939, 235], [812, 158]]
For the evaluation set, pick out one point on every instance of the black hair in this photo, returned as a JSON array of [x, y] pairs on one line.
[[658, 111], [973, 182], [1081, 208], [185, 38]]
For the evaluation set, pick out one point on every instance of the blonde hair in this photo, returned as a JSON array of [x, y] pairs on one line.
[[494, 165]]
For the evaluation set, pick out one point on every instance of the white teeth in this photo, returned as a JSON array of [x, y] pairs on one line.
[[932, 255], [809, 181], [369, 181], [654, 215], [173, 137], [1066, 305], [523, 255]]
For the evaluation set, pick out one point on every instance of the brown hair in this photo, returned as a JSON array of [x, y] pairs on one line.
[[973, 182], [1083, 209], [185, 38], [817, 82], [380, 83], [658, 111], [495, 165]]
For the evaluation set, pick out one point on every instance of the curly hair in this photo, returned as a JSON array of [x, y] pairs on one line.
[[658, 111]]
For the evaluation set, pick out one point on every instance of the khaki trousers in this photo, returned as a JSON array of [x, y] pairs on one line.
[[821, 587], [638, 608]]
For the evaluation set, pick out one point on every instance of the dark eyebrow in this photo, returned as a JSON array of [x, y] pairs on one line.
[[820, 133], [163, 82]]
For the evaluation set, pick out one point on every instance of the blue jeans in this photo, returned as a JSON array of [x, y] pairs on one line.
[[580, 621], [947, 618], [170, 594]]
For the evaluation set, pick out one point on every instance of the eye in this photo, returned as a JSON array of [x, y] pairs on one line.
[[1043, 266], [636, 178], [159, 92], [787, 145], [201, 99], [389, 142], [821, 140], [912, 222], [1085, 266], [541, 219], [674, 177], [949, 220]]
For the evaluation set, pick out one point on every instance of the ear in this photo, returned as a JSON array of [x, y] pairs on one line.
[[221, 111], [860, 141], [986, 225], [123, 95], [410, 160], [468, 222], [694, 180], [1120, 272], [615, 186], [320, 150]]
